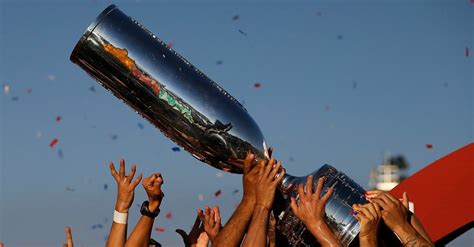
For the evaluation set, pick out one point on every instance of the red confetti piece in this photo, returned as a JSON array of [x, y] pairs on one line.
[[466, 52], [429, 146], [160, 229], [257, 85], [218, 193], [58, 119], [53, 143], [29, 90], [169, 45], [169, 215]]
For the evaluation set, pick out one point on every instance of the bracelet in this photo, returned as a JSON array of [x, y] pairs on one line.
[[120, 218], [258, 204]]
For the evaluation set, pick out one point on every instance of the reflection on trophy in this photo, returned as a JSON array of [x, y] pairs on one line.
[[199, 115]]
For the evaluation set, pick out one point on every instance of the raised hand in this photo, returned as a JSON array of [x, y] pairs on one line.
[[152, 186], [310, 210], [211, 220], [125, 186], [250, 177], [394, 213], [369, 216], [197, 237], [69, 242], [270, 175]]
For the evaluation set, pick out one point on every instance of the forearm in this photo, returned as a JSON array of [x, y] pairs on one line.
[[415, 223], [323, 234], [141, 234], [117, 235], [368, 241], [257, 233], [233, 232], [410, 237]]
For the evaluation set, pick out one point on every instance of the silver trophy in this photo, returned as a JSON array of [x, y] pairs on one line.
[[198, 114]]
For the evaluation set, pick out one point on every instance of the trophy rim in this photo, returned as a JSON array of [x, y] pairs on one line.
[[90, 28]]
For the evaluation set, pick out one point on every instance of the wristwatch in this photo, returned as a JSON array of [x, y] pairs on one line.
[[145, 211]]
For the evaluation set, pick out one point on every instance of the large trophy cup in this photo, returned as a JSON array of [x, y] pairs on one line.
[[199, 115]]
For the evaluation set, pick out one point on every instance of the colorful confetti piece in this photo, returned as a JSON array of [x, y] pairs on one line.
[[217, 193], [6, 89], [235, 17], [106, 186], [70, 189], [114, 137], [219, 174], [15, 98], [169, 45], [201, 197], [169, 215], [175, 149], [60, 153], [140, 126], [340, 37], [51, 77], [160, 229], [466, 52], [53, 143], [39, 134], [429, 146], [257, 85], [235, 191], [29, 90], [219, 62], [242, 32], [58, 119], [92, 89]]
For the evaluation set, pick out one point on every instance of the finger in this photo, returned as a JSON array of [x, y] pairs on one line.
[[301, 192], [113, 171], [293, 205], [122, 168], [280, 175], [373, 193], [275, 170], [218, 215], [207, 215], [69, 237], [309, 185], [365, 212], [387, 198], [406, 201], [380, 202], [270, 152], [371, 207], [132, 172], [137, 180], [212, 217], [378, 210], [328, 195], [248, 162], [319, 187]]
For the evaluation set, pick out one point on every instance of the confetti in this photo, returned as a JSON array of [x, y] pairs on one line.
[[39, 134], [354, 85], [92, 89], [235, 191], [466, 52], [15, 98], [70, 189], [257, 85], [175, 149], [235, 17], [242, 32], [319, 13], [291, 159], [201, 197], [140, 126], [97, 226], [445, 84], [340, 37], [217, 193], [169, 45], [327, 108], [60, 153], [169, 215], [29, 90], [53, 143], [51, 77], [114, 137], [219, 62], [219, 174], [106, 186], [160, 229], [58, 119], [429, 146], [6, 89]]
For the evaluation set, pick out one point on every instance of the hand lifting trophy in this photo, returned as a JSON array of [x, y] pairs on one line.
[[199, 115]]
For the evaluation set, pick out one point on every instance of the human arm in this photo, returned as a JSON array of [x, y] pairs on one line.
[[125, 195], [369, 216], [142, 232], [394, 214], [233, 232], [265, 195], [310, 210]]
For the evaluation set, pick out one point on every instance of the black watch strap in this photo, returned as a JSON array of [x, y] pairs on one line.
[[144, 210]]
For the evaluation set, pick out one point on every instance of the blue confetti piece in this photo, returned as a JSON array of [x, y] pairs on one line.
[[105, 186], [15, 98], [60, 153], [92, 89], [114, 137], [175, 149], [141, 126]]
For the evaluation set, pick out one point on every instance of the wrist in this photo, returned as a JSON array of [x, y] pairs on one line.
[[153, 205], [404, 229], [122, 208]]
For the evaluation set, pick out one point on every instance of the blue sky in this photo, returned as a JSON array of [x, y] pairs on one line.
[[342, 82]]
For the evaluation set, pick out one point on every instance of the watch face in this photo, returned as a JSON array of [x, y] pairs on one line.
[[145, 211]]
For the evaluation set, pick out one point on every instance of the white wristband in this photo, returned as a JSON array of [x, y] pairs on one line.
[[120, 218]]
